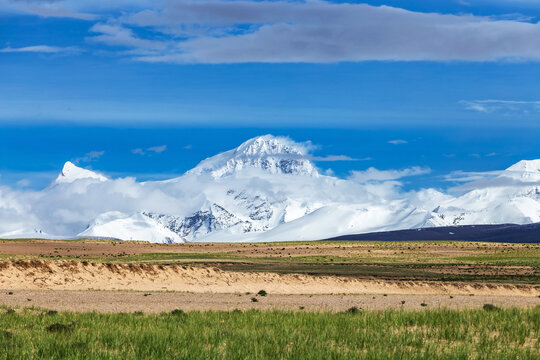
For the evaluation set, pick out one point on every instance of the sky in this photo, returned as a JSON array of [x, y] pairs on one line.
[[150, 88]]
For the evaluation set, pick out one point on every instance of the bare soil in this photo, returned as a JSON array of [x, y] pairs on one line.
[[155, 302]]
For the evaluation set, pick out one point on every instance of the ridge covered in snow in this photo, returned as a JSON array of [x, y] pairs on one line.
[[267, 189]]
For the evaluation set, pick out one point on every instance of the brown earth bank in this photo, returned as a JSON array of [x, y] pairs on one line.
[[155, 302], [86, 275]]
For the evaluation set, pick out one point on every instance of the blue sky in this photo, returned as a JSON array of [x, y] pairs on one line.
[[455, 81]]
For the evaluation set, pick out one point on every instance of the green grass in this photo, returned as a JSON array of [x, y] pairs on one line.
[[428, 334]]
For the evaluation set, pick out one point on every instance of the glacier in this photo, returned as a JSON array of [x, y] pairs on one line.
[[267, 189]]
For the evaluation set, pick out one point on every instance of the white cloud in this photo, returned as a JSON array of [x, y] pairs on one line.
[[90, 156], [23, 183], [47, 8], [155, 149], [373, 174], [116, 35], [479, 156], [283, 31], [470, 176], [314, 31], [158, 149]]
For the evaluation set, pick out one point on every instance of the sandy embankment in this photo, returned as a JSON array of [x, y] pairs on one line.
[[82, 275]]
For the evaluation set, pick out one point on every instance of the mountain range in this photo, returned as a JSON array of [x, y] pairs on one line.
[[267, 189]]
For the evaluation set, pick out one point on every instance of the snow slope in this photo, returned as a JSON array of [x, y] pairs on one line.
[[116, 225], [511, 197]]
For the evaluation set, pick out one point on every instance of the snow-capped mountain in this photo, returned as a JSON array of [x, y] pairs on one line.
[[70, 173], [267, 189], [272, 154], [511, 197]]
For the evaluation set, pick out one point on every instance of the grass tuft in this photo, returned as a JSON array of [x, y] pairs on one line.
[[353, 310], [58, 327], [490, 307], [178, 312]]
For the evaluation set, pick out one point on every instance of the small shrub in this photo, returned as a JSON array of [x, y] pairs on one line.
[[10, 293], [490, 307], [138, 313], [301, 307], [451, 297], [178, 312], [254, 299], [384, 295], [10, 311], [4, 334], [353, 310], [80, 345], [57, 327], [402, 302], [262, 293], [51, 312], [423, 304]]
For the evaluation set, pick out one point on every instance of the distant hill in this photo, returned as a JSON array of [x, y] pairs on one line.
[[510, 233]]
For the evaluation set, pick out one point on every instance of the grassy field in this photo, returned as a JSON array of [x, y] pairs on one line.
[[442, 334]]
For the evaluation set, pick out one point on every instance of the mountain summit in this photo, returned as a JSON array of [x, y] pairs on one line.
[[524, 170], [275, 155], [71, 172]]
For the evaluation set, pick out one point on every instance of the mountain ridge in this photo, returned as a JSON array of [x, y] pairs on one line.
[[266, 189]]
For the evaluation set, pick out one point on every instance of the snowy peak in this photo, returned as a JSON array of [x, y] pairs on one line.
[[526, 166], [275, 155], [269, 145], [71, 172], [525, 170]]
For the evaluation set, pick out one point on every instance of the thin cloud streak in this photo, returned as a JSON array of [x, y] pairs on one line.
[[398, 142], [89, 157], [42, 49], [153, 149], [373, 174], [336, 158], [508, 106]]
